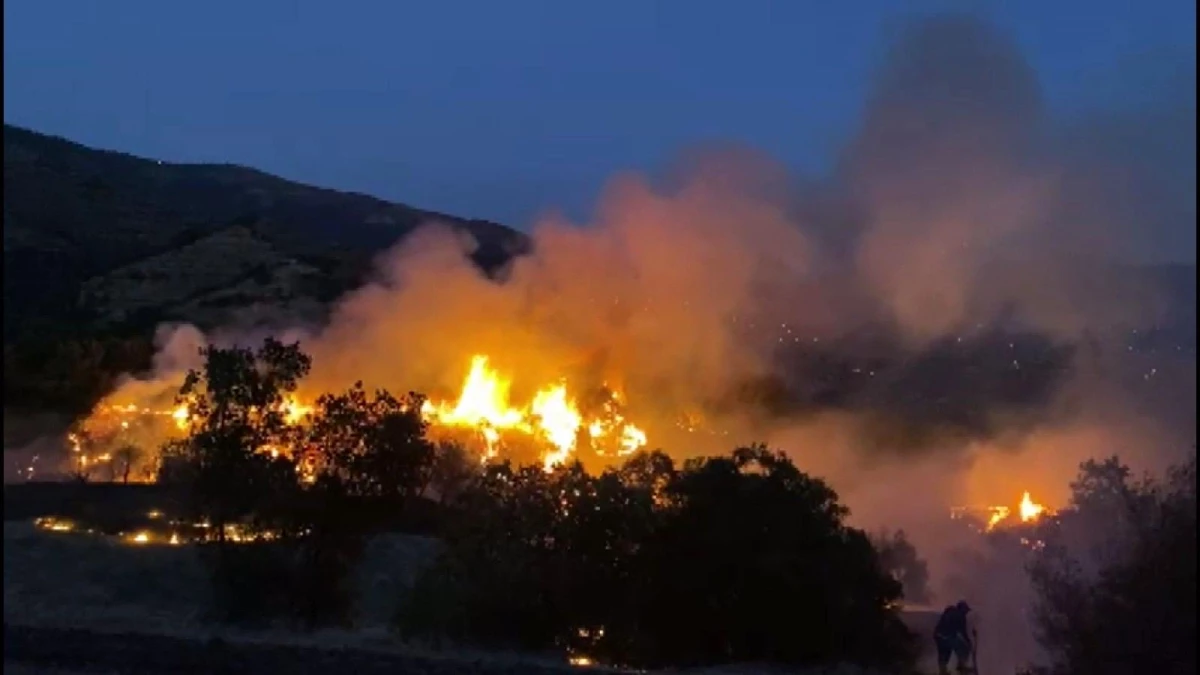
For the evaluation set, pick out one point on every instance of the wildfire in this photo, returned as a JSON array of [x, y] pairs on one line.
[[553, 417], [999, 513], [1028, 511], [170, 533], [294, 412], [181, 416]]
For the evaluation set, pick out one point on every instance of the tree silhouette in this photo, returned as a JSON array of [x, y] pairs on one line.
[[1117, 580], [741, 557], [237, 416], [375, 444], [452, 471], [899, 559], [126, 457], [752, 562]]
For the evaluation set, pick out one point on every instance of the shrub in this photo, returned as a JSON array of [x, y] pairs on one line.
[[1117, 580], [737, 558]]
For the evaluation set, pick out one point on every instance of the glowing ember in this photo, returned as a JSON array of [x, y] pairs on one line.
[[172, 533], [54, 524]]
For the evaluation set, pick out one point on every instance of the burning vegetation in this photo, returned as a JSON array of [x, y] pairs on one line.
[[988, 518], [157, 530], [553, 417], [120, 441]]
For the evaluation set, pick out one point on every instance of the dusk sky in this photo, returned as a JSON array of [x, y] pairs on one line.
[[501, 110]]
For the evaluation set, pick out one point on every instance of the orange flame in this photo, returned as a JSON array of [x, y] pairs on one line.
[[1027, 511], [552, 417], [1030, 510]]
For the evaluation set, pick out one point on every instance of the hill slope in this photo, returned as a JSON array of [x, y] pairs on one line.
[[96, 235]]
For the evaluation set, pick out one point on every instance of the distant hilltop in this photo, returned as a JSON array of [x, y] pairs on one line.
[[107, 239]]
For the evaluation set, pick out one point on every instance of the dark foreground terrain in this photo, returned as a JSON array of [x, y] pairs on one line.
[[66, 649]]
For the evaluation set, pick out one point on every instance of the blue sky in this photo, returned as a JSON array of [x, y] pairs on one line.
[[500, 110]]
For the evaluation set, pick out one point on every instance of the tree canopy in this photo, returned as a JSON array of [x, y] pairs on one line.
[[1117, 581]]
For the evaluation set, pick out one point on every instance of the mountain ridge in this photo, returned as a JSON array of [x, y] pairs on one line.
[[74, 215]]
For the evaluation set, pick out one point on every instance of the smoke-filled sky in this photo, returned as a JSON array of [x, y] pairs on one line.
[[959, 205], [503, 110]]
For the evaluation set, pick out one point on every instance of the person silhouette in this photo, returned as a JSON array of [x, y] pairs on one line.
[[950, 636]]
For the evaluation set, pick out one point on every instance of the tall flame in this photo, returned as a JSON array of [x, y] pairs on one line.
[[1029, 510], [559, 422], [552, 417]]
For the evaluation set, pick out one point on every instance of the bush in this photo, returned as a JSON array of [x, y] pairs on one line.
[[1117, 580], [738, 558], [899, 559]]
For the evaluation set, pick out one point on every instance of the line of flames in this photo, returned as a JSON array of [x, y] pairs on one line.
[[1027, 511], [483, 406], [177, 533]]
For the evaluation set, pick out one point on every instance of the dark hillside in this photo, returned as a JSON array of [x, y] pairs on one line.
[[73, 213]]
